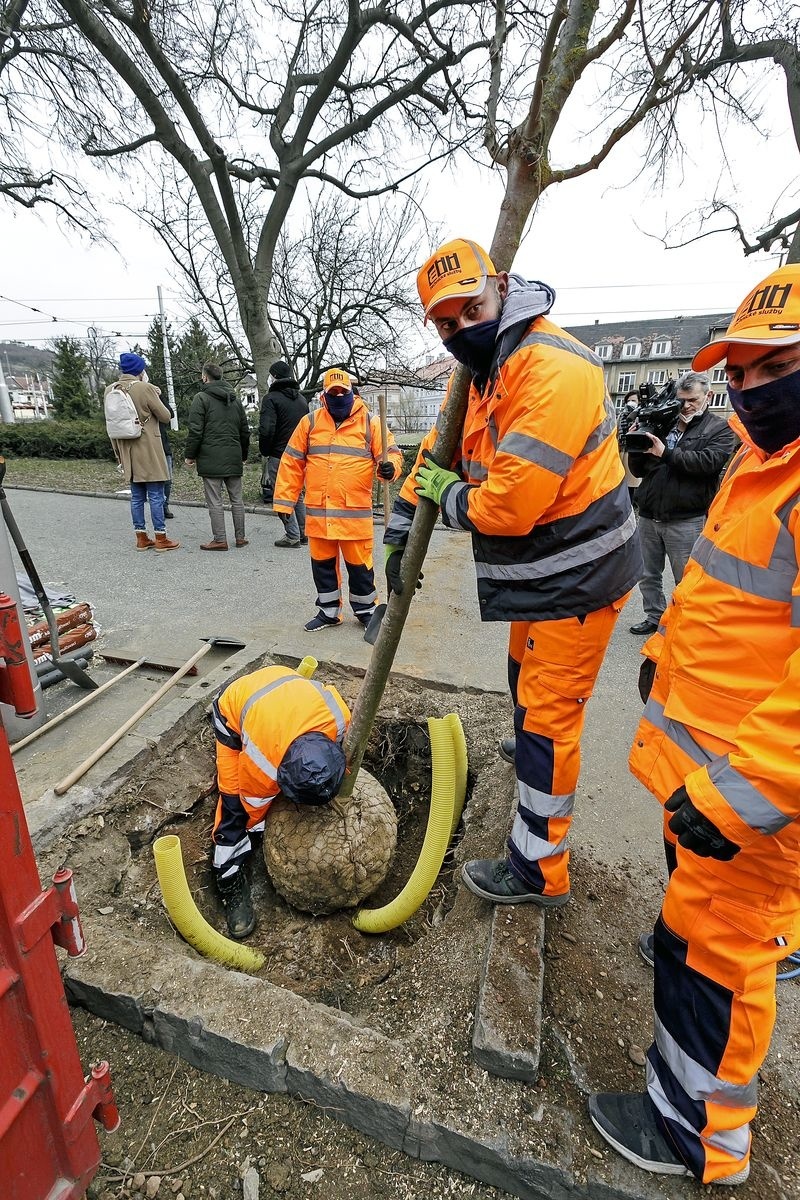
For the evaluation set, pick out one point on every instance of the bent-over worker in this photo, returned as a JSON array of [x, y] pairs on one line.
[[277, 733]]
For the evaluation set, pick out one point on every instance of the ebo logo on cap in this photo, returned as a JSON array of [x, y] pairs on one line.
[[444, 266], [773, 298]]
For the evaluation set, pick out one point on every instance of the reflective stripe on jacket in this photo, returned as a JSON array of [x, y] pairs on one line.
[[723, 712], [257, 718], [553, 532], [337, 465]]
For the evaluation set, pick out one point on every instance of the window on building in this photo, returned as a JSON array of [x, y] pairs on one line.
[[719, 400], [660, 348], [657, 377], [627, 382], [603, 351], [718, 375], [631, 349]]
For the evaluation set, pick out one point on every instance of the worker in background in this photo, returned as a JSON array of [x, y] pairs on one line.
[[335, 452], [277, 733], [539, 484], [718, 746]]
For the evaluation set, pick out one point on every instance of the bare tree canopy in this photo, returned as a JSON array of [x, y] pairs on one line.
[[251, 102]]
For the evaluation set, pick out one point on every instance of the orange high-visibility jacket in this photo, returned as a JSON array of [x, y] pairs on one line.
[[725, 702], [553, 532], [256, 719], [338, 466]]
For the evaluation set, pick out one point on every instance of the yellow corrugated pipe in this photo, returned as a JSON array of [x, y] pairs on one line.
[[186, 916], [460, 757], [448, 750]]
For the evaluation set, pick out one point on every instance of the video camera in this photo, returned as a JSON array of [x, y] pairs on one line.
[[657, 413]]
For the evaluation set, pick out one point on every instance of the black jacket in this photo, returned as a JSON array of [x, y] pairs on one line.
[[281, 411], [683, 482], [219, 437]]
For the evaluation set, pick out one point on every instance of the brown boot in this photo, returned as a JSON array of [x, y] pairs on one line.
[[143, 542], [214, 546], [165, 543]]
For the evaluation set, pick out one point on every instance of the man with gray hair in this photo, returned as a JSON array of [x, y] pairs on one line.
[[679, 478]]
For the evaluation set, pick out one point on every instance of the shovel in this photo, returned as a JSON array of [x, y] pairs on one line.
[[70, 670]]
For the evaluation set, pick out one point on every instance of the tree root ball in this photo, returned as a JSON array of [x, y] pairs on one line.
[[332, 857]]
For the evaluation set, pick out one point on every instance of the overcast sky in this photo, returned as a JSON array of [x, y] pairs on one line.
[[589, 240]]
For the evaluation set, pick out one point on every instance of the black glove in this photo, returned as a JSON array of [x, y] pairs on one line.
[[647, 673], [695, 831], [394, 565], [386, 470]]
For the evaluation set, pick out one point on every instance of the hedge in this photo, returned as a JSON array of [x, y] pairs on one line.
[[66, 439]]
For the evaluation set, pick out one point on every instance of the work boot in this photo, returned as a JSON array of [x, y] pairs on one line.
[[493, 879], [285, 543], [212, 545], [165, 543], [507, 749], [320, 621], [628, 1122], [646, 948], [365, 617], [143, 542], [234, 892], [168, 514]]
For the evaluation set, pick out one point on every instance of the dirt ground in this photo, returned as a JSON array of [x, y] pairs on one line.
[[198, 1134]]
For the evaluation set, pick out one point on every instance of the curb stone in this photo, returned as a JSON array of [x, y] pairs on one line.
[[506, 1039], [312, 1052]]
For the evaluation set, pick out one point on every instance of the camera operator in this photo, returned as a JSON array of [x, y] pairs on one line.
[[679, 478], [626, 418]]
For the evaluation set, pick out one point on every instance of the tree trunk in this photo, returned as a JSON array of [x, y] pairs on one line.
[[263, 345], [522, 190]]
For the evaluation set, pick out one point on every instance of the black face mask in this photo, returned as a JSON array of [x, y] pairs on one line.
[[474, 347], [340, 407], [770, 413]]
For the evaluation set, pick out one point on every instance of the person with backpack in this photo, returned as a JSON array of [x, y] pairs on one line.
[[282, 409], [133, 410], [217, 444]]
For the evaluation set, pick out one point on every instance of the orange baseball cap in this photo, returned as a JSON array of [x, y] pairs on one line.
[[769, 316], [458, 268], [335, 377]]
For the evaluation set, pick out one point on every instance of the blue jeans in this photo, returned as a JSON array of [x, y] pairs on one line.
[[154, 493], [662, 540]]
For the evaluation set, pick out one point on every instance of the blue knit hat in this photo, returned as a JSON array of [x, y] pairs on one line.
[[312, 769], [132, 364]]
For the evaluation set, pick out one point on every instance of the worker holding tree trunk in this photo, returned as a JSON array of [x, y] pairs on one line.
[[718, 746], [336, 452], [539, 484], [277, 733]]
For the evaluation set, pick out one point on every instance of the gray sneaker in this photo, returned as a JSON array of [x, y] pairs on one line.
[[646, 948], [628, 1122], [493, 879], [507, 749]]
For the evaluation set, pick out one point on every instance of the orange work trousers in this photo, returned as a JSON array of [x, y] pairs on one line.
[[552, 668], [358, 559], [721, 932]]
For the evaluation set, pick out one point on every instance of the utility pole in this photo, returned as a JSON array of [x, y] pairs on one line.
[[167, 363], [6, 410]]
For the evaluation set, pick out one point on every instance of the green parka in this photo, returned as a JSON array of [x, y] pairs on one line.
[[219, 436]]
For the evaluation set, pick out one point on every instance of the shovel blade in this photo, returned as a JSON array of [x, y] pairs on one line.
[[374, 627]]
